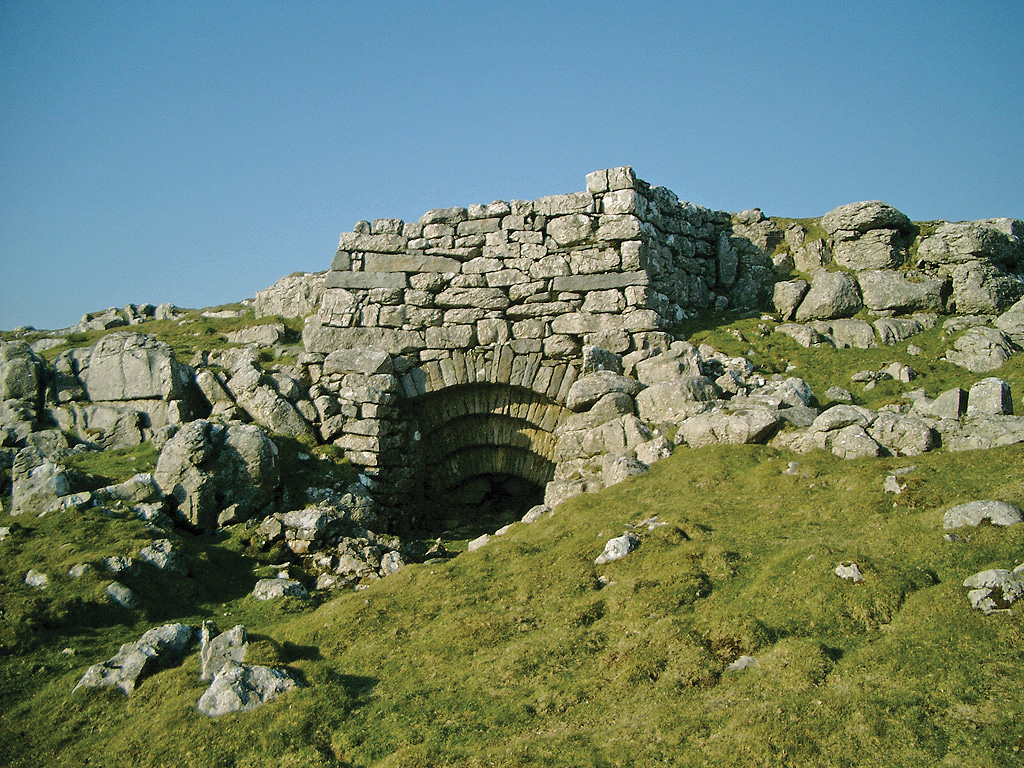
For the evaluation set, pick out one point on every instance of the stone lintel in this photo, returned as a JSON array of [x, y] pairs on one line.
[[365, 280], [326, 339], [355, 241], [600, 282], [400, 263]]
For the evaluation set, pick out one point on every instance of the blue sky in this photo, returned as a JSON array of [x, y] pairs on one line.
[[194, 152]]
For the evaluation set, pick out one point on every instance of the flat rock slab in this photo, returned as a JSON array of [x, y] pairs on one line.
[[618, 548], [974, 513], [124, 668], [996, 589]]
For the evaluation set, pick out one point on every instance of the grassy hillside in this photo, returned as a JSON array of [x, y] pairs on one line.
[[526, 653]]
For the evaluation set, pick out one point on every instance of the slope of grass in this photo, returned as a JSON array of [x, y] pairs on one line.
[[526, 653]]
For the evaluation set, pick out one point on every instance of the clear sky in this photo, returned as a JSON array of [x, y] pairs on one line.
[[195, 152]]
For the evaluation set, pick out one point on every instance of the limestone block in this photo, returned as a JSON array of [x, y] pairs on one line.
[[451, 337], [410, 263], [624, 201], [850, 332], [961, 242], [478, 226], [354, 241], [989, 397], [876, 249], [463, 316], [572, 229], [444, 216], [618, 227], [621, 178], [886, 290], [549, 266], [903, 434], [788, 295], [562, 205], [365, 280], [865, 216], [894, 330], [675, 400], [589, 261], [325, 339], [599, 282], [981, 349], [485, 298], [363, 360], [482, 265], [604, 301], [831, 295], [504, 278], [492, 331], [950, 405], [981, 288]]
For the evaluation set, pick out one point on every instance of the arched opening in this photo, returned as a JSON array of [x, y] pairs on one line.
[[483, 455]]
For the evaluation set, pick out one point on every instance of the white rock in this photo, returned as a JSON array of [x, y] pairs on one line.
[[617, 548]]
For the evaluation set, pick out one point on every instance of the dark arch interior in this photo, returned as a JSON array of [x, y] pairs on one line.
[[484, 454]]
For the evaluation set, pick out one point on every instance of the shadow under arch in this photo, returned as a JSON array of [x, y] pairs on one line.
[[481, 455]]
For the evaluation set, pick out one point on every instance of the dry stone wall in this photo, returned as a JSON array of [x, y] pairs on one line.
[[492, 305]]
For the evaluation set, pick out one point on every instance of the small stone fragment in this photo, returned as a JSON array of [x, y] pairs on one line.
[[849, 571], [617, 548]]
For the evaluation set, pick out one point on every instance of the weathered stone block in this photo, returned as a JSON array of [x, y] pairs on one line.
[[572, 229], [410, 263], [363, 280], [485, 298], [451, 337], [599, 282], [561, 205], [356, 242], [618, 227]]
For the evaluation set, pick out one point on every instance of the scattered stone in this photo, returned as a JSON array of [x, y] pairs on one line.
[[122, 595], [217, 650], [242, 688], [36, 579], [536, 513], [989, 397], [839, 395], [974, 513], [478, 542], [617, 548], [78, 571], [743, 662], [849, 571], [271, 589], [981, 349], [162, 556], [892, 485], [123, 670], [996, 589]]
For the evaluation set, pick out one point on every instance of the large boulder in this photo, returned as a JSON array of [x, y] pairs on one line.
[[243, 687], [209, 467], [254, 391], [134, 366], [997, 241], [1011, 322], [588, 389], [37, 482], [981, 349], [831, 295], [868, 235], [980, 288], [895, 292], [21, 372]]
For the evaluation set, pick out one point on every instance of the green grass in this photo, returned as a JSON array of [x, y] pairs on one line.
[[516, 654], [187, 335], [825, 366]]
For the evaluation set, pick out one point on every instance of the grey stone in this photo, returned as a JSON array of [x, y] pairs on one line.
[[122, 595], [271, 589], [803, 335], [787, 297], [255, 392], [846, 333], [1011, 322], [981, 349], [996, 589], [960, 242], [876, 249], [951, 404], [599, 359], [974, 513], [675, 400], [21, 372], [162, 555], [831, 295], [840, 416], [478, 542], [296, 295], [207, 467], [753, 425], [215, 652], [850, 572], [243, 687], [37, 482], [134, 366], [853, 442], [590, 388], [535, 513], [266, 335], [900, 292], [894, 330], [654, 450], [989, 397], [36, 579], [617, 467], [865, 216], [618, 548], [982, 288], [903, 434], [982, 434], [123, 670]]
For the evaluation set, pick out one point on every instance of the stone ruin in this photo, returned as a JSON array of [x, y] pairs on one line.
[[451, 343]]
